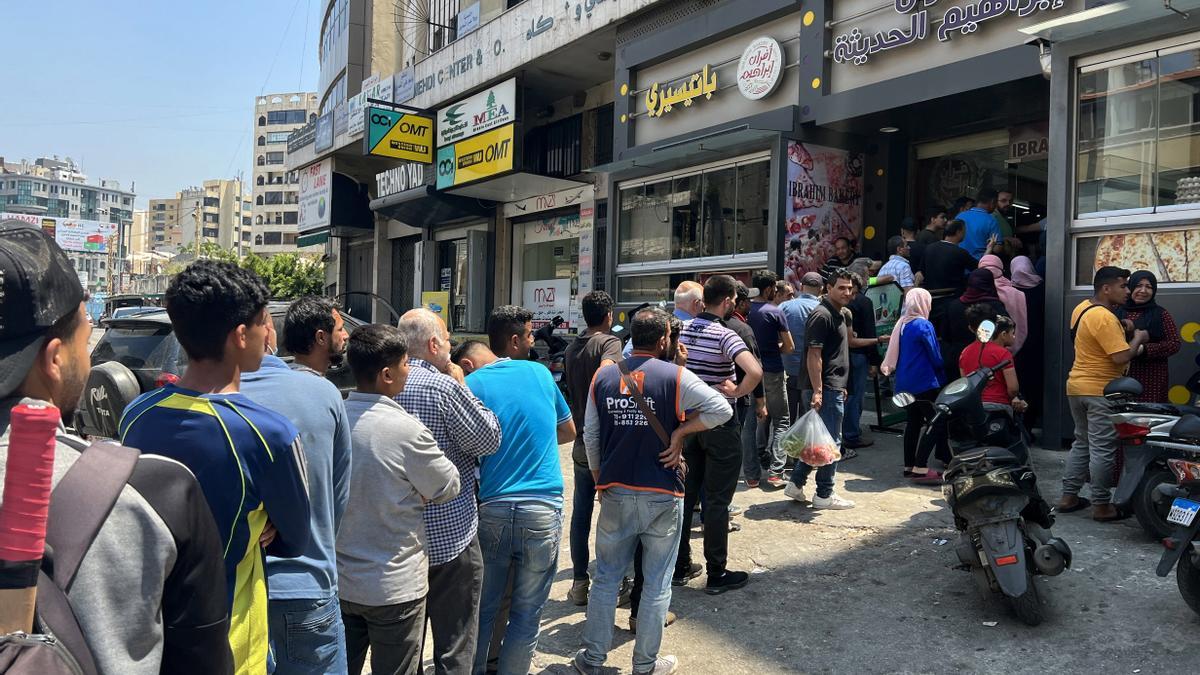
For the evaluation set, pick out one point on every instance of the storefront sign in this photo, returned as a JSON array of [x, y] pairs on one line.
[[316, 184], [552, 229], [437, 302], [553, 200], [1029, 142], [399, 179], [491, 108], [468, 20], [324, 138], [488, 154], [587, 248], [391, 133], [341, 120], [547, 299], [824, 202], [302, 136], [857, 48], [404, 86], [660, 100], [378, 88], [760, 68]]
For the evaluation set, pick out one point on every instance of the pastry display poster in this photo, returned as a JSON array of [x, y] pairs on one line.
[[823, 202]]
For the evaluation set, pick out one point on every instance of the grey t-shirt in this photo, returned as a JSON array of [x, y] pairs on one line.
[[395, 463]]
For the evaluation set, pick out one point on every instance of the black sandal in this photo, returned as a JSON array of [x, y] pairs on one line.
[[848, 453], [1080, 505]]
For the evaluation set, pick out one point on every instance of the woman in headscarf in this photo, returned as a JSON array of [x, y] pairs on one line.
[[981, 288], [1011, 296], [915, 358], [1149, 366], [1031, 365]]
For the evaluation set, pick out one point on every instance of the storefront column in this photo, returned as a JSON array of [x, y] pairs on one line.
[[382, 277]]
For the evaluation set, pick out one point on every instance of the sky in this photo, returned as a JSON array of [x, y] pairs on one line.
[[154, 93]]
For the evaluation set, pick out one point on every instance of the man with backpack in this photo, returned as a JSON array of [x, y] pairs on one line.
[[138, 553], [634, 431]]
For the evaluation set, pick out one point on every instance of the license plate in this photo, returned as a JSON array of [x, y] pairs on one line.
[[1183, 511]]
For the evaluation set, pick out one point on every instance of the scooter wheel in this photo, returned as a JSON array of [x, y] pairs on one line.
[[1187, 575], [1028, 606], [1151, 515]]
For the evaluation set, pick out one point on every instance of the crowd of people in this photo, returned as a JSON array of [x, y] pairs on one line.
[[431, 499]]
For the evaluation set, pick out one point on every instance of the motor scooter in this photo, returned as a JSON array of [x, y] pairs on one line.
[[1183, 502], [1003, 521], [554, 357], [1143, 463]]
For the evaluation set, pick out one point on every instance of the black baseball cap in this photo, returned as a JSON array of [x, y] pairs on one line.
[[38, 286]]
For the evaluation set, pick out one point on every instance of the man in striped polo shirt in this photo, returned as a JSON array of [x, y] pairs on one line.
[[714, 457]]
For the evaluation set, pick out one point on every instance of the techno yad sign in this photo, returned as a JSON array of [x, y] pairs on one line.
[[856, 48]]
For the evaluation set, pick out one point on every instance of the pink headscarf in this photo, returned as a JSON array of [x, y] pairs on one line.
[[1023, 274], [917, 303], [1011, 296]]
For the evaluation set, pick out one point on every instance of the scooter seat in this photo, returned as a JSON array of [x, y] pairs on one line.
[[1186, 429]]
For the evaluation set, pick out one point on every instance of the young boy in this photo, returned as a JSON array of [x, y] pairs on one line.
[[396, 467]]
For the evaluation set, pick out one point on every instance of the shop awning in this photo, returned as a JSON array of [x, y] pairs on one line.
[[423, 206], [514, 187], [312, 238], [1105, 17], [697, 150]]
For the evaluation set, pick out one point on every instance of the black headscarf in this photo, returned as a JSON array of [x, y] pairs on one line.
[[981, 287], [1151, 319]]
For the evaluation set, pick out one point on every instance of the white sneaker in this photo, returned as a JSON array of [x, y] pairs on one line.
[[663, 665], [832, 502], [795, 492]]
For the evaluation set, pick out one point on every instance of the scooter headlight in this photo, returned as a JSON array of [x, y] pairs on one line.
[[948, 491]]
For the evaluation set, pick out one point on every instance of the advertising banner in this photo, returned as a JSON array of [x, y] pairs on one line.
[[316, 184], [491, 108], [89, 236], [437, 302], [391, 133], [475, 158], [823, 202], [547, 299], [324, 138], [550, 229]]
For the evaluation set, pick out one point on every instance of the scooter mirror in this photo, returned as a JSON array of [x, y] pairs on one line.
[[985, 331], [903, 399]]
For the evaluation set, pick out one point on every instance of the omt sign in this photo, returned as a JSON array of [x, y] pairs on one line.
[[399, 135]]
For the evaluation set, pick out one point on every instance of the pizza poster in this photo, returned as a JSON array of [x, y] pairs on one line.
[[1172, 255], [823, 203]]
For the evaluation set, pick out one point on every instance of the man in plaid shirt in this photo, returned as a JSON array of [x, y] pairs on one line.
[[465, 430]]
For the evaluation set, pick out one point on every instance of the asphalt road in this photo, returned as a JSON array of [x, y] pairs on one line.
[[872, 590]]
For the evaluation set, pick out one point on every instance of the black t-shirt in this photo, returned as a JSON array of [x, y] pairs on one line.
[[580, 362], [864, 326], [826, 329], [946, 265], [745, 332]]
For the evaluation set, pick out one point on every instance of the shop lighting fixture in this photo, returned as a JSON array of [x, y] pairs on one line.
[[1077, 17], [888, 130]]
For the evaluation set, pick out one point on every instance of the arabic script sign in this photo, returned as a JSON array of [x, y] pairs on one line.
[[760, 68], [857, 48], [660, 100]]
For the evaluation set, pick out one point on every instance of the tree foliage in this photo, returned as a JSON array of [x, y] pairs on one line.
[[287, 275]]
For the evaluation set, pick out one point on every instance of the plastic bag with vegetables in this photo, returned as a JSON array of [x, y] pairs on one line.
[[809, 441]]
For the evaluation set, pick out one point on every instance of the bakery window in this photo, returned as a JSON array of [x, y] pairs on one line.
[[1173, 255], [1138, 132]]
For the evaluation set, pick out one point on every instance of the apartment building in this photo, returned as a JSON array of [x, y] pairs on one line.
[[275, 210], [215, 212]]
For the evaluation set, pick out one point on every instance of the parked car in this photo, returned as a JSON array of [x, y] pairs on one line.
[[138, 353]]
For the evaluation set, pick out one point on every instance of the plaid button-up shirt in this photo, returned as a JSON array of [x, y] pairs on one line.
[[465, 430]]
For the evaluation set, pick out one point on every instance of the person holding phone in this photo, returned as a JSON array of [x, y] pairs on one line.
[[1004, 389]]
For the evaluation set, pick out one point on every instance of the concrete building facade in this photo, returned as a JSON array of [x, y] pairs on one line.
[[213, 212], [275, 212]]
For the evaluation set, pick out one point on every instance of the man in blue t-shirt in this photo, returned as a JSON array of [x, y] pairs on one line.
[[982, 230], [520, 487], [771, 332]]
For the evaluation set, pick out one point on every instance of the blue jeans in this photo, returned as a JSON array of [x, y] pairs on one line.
[[307, 636], [859, 365], [629, 518], [752, 457], [581, 521], [521, 539], [833, 408]]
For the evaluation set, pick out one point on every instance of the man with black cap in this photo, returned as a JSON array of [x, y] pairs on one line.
[[148, 593]]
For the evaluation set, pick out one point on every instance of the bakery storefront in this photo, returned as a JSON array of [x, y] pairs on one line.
[[1126, 178], [710, 173]]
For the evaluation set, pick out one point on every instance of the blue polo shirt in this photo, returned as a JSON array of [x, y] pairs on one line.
[[530, 407], [981, 226]]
